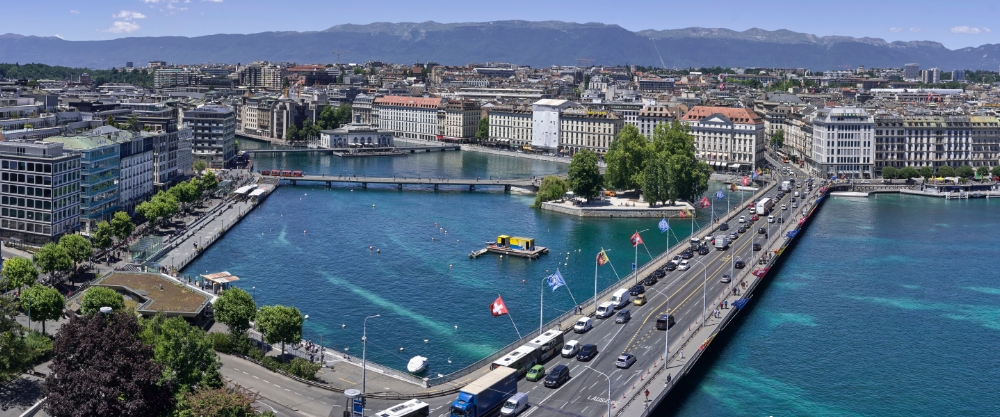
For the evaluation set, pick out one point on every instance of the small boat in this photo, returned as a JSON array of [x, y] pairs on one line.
[[417, 365]]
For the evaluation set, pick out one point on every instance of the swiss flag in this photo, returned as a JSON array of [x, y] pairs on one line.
[[636, 240], [498, 308]]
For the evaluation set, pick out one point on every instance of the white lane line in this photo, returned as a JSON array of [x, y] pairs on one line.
[[255, 376], [298, 394], [265, 381]]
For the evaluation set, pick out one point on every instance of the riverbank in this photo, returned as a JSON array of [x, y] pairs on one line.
[[619, 207]]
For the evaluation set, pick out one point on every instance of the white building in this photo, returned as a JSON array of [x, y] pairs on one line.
[[356, 134], [135, 172], [651, 116], [843, 142], [511, 126], [409, 117], [727, 138], [545, 123]]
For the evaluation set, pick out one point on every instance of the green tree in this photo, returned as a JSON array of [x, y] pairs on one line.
[[280, 324], [483, 133], [925, 172], [778, 138], [983, 172], [161, 206], [97, 297], [102, 236], [688, 177], [53, 257], [908, 173], [186, 192], [19, 272], [132, 123], [552, 188], [946, 171], [292, 134], [44, 303], [996, 171], [209, 182], [199, 165], [233, 401], [584, 175], [236, 308], [110, 120], [184, 351], [14, 349], [77, 247], [626, 159], [965, 172], [889, 172], [121, 225], [656, 178]]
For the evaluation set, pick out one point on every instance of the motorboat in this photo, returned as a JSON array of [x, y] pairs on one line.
[[417, 365]]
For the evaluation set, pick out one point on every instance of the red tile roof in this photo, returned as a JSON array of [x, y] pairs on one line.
[[736, 114], [427, 102]]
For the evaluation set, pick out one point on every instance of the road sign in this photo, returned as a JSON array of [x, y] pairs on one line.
[[358, 408], [633, 266]]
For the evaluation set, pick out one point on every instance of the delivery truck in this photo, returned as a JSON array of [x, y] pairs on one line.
[[485, 396]]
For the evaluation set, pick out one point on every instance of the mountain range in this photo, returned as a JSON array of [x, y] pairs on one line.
[[536, 44]]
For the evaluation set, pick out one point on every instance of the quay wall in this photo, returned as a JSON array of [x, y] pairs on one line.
[[672, 212]]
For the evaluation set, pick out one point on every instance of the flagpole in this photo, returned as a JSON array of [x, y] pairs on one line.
[[511, 319], [596, 264], [541, 305], [635, 264]]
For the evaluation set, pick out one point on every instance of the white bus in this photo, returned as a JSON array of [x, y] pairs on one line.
[[521, 359], [412, 408], [547, 345]]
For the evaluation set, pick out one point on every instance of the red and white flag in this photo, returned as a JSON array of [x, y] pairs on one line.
[[746, 180], [636, 240], [498, 308]]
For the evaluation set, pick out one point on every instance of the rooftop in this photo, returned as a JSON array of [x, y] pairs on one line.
[[735, 114], [161, 294]]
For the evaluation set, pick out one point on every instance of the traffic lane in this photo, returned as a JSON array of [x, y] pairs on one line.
[[278, 388]]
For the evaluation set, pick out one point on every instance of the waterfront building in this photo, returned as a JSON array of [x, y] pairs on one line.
[[545, 124], [214, 130], [409, 117], [362, 106], [581, 128], [39, 191], [510, 126], [935, 141], [99, 179], [356, 134], [461, 119], [843, 142], [728, 138], [651, 116]]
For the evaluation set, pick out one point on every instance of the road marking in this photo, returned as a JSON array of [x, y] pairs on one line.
[[255, 376], [349, 382], [265, 381], [298, 394], [279, 386]]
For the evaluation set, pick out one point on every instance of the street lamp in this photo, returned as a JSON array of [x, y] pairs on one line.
[[364, 345], [609, 387], [704, 291]]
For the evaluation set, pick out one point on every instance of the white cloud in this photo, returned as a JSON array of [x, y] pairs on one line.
[[75, 11], [128, 15], [916, 29], [122, 27], [969, 30], [895, 29]]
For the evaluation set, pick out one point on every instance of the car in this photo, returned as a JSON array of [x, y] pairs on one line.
[[670, 266], [754, 217], [676, 259], [586, 353], [784, 207], [795, 205], [756, 246], [703, 250], [770, 219], [623, 316], [781, 219], [739, 264], [584, 324], [724, 226], [743, 219], [659, 273], [742, 229], [636, 289], [535, 373], [625, 361], [726, 279], [684, 265], [663, 321], [733, 236], [793, 198], [570, 348], [687, 254], [640, 300], [557, 377], [650, 280]]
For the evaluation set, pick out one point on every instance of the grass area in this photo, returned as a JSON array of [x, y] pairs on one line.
[[172, 297]]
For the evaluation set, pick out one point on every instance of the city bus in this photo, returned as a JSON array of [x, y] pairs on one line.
[[521, 359], [412, 408], [547, 345]]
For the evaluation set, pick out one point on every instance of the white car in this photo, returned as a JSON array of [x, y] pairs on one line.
[[743, 219], [784, 207], [570, 348], [684, 265], [584, 324]]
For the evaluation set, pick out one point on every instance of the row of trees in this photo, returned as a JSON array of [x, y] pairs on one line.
[[329, 118], [664, 168], [279, 324], [965, 172], [165, 204], [140, 77]]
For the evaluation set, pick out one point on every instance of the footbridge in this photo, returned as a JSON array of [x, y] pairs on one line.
[[400, 181]]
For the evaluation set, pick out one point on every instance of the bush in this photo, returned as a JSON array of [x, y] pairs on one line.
[[221, 342], [302, 368], [271, 363], [38, 347], [255, 354]]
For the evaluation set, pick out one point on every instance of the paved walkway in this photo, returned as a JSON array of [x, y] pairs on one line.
[[201, 234]]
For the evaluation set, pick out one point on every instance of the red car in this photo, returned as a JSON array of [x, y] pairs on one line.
[[754, 217]]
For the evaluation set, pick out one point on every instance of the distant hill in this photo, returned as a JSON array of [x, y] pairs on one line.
[[526, 43]]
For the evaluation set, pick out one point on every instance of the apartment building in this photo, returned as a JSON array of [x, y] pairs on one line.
[[99, 179], [651, 116], [135, 171], [264, 75], [843, 143], [545, 124], [935, 141], [461, 119], [798, 130], [727, 138], [214, 134], [587, 129], [409, 117], [510, 126], [39, 191], [362, 106]]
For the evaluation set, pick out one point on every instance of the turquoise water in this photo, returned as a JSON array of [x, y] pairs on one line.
[[887, 307], [309, 247]]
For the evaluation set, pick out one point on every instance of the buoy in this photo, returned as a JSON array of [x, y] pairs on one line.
[[523, 281], [373, 206], [432, 239], [450, 265], [370, 248], [303, 232], [456, 327], [400, 349], [449, 360], [378, 250], [425, 340], [456, 240], [343, 326]]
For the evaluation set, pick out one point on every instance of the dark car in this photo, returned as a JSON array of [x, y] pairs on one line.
[[687, 254], [637, 289], [650, 280], [756, 246], [703, 250], [739, 264], [781, 219], [761, 231], [742, 229], [724, 226], [670, 266], [587, 352], [663, 321], [558, 376], [659, 273], [623, 316]]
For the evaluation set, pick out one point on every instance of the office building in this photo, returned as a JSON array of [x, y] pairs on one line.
[[39, 191], [652, 116], [911, 71], [214, 134], [99, 161], [843, 142], [727, 138], [409, 117]]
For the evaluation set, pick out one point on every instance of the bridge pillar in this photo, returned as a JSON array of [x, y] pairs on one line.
[[364, 185], [399, 186], [435, 187], [472, 187], [329, 184], [506, 188]]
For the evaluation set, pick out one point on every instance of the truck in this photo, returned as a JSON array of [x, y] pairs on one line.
[[786, 186], [485, 396], [764, 206], [721, 242]]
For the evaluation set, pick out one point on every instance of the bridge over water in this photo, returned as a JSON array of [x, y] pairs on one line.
[[400, 181], [362, 151]]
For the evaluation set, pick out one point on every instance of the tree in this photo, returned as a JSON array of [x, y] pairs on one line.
[[184, 351], [44, 303], [280, 324], [199, 165], [185, 192], [656, 178], [100, 367], [965, 171], [889, 172], [121, 225], [778, 138], [483, 133], [626, 159], [584, 175], [225, 401], [946, 171], [53, 257], [209, 182], [983, 173], [236, 308], [996, 171], [77, 247], [14, 352], [110, 121], [925, 172], [292, 134], [552, 188], [132, 123], [102, 236], [688, 177], [97, 297], [908, 173], [161, 206], [19, 271]]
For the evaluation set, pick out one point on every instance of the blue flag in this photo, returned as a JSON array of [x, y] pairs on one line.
[[720, 195], [556, 280], [754, 175], [664, 226]]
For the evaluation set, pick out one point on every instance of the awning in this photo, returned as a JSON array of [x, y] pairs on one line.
[[223, 277], [245, 189], [734, 166], [256, 193]]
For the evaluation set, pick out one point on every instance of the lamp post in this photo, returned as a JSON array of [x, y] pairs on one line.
[[609, 386], [364, 345], [704, 291]]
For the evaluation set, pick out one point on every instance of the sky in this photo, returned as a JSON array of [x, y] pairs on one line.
[[955, 24]]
